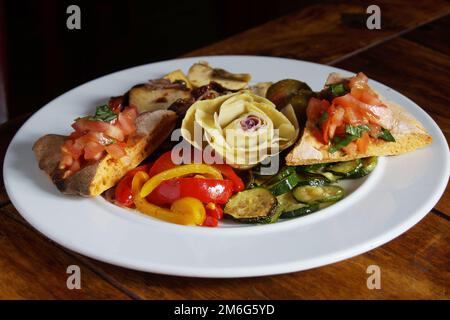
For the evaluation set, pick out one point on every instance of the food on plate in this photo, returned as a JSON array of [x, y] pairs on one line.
[[201, 74], [241, 127], [186, 194], [349, 120], [122, 151], [158, 94], [102, 148]]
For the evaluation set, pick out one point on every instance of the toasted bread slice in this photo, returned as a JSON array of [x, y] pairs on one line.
[[409, 135], [152, 129]]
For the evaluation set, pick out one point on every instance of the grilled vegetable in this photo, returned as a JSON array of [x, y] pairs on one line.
[[347, 169], [158, 94], [285, 185], [310, 179], [312, 195], [256, 205], [292, 208], [201, 74], [320, 169], [367, 166], [284, 173], [281, 92]]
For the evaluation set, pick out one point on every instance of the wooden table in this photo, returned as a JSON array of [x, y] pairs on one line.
[[411, 53]]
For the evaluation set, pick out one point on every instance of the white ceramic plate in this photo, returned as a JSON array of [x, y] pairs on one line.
[[400, 192]]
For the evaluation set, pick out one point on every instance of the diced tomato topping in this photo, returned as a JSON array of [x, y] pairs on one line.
[[75, 166], [116, 104], [116, 150], [93, 150], [92, 137], [126, 120], [84, 125], [335, 120], [363, 142], [115, 132], [359, 81], [350, 149], [316, 108]]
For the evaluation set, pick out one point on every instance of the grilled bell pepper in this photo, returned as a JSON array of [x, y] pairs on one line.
[[164, 162], [123, 192], [204, 189], [184, 211], [177, 172], [229, 173]]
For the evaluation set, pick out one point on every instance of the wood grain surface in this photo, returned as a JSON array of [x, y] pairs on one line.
[[34, 267], [329, 32], [410, 54]]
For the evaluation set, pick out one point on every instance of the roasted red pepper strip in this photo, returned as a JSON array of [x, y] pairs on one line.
[[163, 163], [205, 190], [214, 210], [210, 222], [228, 173], [123, 193]]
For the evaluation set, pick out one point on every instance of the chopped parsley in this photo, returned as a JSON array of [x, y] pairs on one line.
[[338, 89], [356, 131], [386, 135], [352, 133], [104, 113]]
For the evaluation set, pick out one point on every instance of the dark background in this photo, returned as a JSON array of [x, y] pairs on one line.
[[41, 59]]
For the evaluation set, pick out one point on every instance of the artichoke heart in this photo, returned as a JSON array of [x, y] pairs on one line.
[[242, 127]]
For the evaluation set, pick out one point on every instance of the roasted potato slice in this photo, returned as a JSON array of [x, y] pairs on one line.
[[178, 76], [201, 74], [157, 94]]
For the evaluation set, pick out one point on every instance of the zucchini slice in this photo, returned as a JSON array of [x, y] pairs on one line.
[[309, 179], [256, 205], [314, 168], [312, 194], [346, 169], [284, 173], [319, 169], [292, 208], [368, 165], [285, 185]]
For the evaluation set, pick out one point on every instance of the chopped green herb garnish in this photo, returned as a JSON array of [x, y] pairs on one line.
[[356, 131], [339, 142], [338, 89], [104, 113], [386, 135], [352, 133]]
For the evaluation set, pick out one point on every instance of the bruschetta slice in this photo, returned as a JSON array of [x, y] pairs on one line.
[[94, 176], [350, 120]]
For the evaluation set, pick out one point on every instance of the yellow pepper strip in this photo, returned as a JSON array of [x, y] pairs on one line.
[[176, 172], [178, 216], [190, 206]]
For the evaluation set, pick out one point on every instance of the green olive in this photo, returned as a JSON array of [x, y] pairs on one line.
[[282, 91]]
